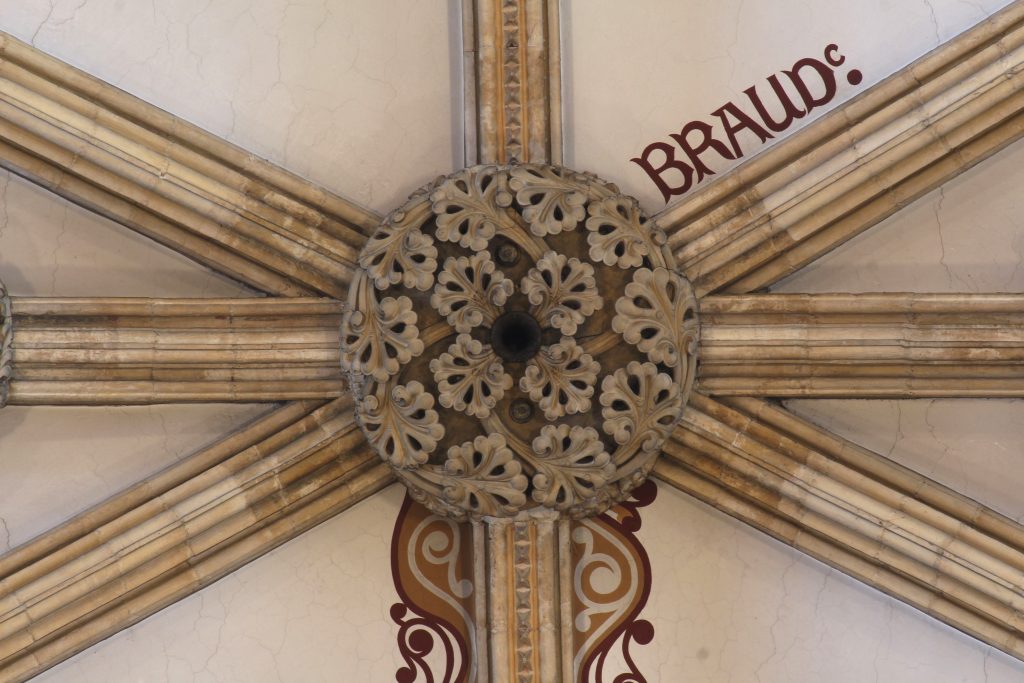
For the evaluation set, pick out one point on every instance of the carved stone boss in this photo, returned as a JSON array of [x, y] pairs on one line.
[[517, 337]]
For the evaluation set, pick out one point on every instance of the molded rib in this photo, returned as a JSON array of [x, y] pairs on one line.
[[863, 345], [133, 351], [854, 510], [513, 81], [180, 530], [165, 178]]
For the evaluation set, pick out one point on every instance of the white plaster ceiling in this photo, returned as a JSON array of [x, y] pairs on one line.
[[361, 96]]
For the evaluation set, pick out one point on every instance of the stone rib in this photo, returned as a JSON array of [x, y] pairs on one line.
[[179, 531], [157, 174], [863, 345], [857, 165], [513, 83], [523, 612], [132, 351], [883, 524]]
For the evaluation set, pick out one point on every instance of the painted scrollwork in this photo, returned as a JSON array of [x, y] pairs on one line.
[[611, 586], [561, 379], [562, 291], [609, 576], [436, 636], [470, 377], [6, 344], [491, 314], [470, 291]]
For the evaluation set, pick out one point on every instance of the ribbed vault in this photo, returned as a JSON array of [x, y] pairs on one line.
[[297, 243]]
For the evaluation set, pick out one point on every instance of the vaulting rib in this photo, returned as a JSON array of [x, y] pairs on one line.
[[134, 351], [859, 512], [157, 174], [513, 81], [863, 345], [169, 536], [857, 165]]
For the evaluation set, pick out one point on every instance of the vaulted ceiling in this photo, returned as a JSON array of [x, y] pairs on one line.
[[380, 125]]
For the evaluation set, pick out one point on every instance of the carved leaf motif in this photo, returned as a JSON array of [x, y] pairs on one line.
[[561, 379], [640, 403], [658, 315], [378, 337], [572, 465], [470, 207], [439, 251], [470, 291], [620, 235], [551, 201], [401, 424], [484, 477], [470, 377], [399, 252], [563, 291]]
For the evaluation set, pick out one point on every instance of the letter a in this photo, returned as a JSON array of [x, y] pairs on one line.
[[742, 122]]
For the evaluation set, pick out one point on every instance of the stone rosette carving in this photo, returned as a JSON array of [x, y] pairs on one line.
[[6, 341], [516, 337]]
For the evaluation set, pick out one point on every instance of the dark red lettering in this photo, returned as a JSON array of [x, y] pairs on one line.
[[643, 161], [828, 79], [743, 122], [698, 137], [707, 142], [791, 110], [832, 55]]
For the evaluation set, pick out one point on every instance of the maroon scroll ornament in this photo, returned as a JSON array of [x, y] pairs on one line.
[[431, 560]]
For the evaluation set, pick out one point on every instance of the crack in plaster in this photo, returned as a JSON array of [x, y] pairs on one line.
[[950, 275], [5, 535], [188, 39], [56, 248], [46, 22], [35, 34], [899, 429], [1018, 249], [734, 43], [935, 21], [5, 182], [890, 612], [783, 602]]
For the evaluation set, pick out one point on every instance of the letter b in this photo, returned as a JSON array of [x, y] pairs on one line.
[[667, 191]]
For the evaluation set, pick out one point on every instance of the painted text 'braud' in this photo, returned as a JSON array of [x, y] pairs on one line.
[[812, 80]]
